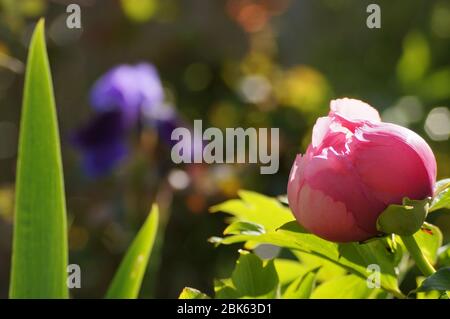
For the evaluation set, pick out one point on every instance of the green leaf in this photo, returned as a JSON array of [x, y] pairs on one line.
[[439, 281], [224, 289], [403, 219], [302, 287], [344, 287], [442, 198], [191, 293], [288, 270], [256, 208], [327, 269], [245, 228], [128, 278], [354, 257], [39, 259], [433, 294], [429, 239], [253, 278], [444, 255]]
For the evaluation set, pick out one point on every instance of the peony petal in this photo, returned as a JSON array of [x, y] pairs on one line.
[[327, 218], [394, 162], [354, 110], [336, 177], [320, 130], [295, 180]]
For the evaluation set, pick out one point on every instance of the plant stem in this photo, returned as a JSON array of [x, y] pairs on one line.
[[421, 261]]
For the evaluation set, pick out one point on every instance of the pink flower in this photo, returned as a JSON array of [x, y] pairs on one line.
[[354, 168]]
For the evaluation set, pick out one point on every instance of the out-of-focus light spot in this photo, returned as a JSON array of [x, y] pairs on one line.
[[304, 88], [255, 88], [266, 251], [139, 10], [440, 20], [437, 124], [197, 76], [407, 110], [415, 59], [257, 63], [196, 203], [435, 86], [32, 8], [7, 202], [9, 62], [226, 180], [61, 34], [178, 179], [8, 142], [251, 15], [224, 114]]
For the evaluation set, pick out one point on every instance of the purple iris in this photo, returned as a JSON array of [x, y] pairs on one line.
[[123, 98]]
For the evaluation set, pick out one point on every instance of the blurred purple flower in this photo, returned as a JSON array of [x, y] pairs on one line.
[[124, 98]]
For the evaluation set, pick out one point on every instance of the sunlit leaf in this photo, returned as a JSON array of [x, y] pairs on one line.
[[191, 293], [128, 278], [344, 287], [253, 277], [288, 270], [403, 219], [442, 198], [327, 269], [39, 261], [256, 208], [353, 257], [429, 239], [302, 287]]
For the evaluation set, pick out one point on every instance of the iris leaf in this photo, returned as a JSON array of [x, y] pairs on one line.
[[39, 261], [128, 278]]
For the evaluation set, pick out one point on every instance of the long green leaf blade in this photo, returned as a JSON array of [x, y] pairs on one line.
[[128, 279], [39, 262]]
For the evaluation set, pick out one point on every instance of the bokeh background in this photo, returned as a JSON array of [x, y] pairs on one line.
[[231, 63]]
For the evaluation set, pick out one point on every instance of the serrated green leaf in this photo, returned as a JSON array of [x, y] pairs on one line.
[[39, 261], [246, 228], [353, 257], [128, 278], [256, 208], [302, 287], [191, 293], [403, 219]]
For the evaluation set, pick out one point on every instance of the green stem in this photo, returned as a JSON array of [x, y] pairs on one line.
[[421, 261]]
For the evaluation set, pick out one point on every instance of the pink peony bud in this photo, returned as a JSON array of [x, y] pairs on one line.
[[354, 168]]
